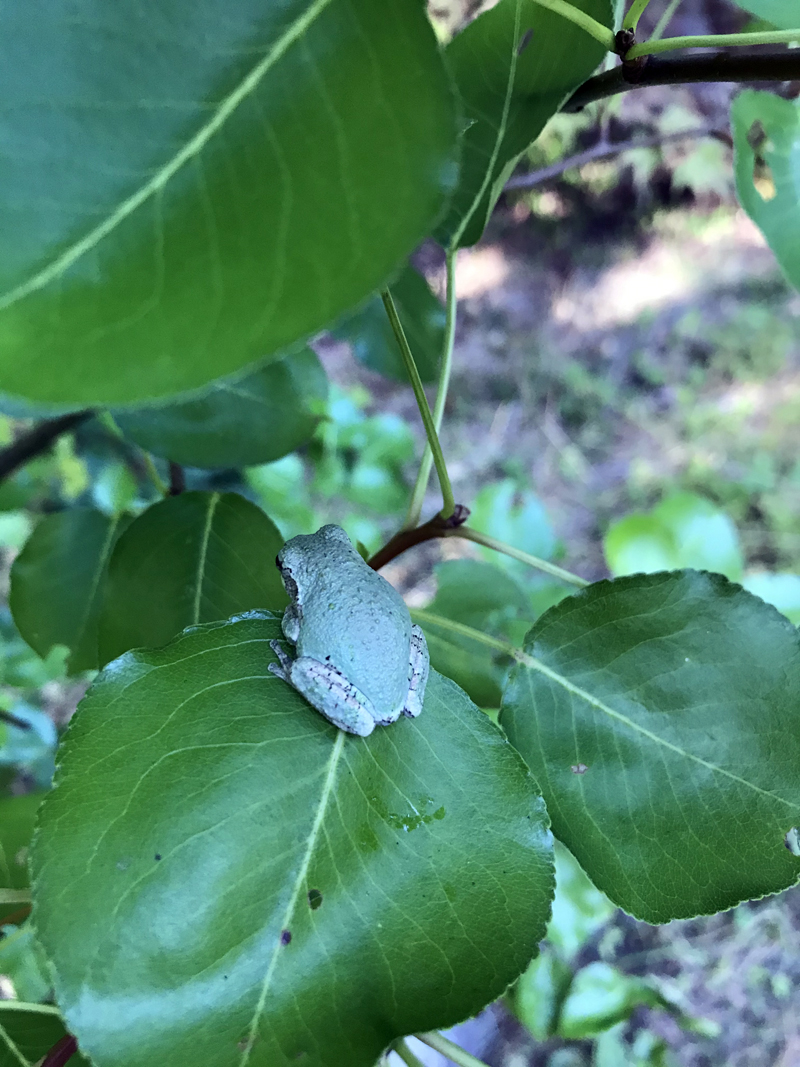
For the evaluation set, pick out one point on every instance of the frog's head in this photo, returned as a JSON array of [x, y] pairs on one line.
[[304, 554]]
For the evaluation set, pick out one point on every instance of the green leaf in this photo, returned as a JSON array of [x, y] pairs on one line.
[[237, 423], [766, 127], [189, 559], [195, 185], [514, 515], [58, 582], [28, 1031], [513, 67], [281, 886], [780, 590], [16, 829], [782, 14], [684, 530], [423, 319], [540, 992], [658, 714], [23, 963], [599, 997]]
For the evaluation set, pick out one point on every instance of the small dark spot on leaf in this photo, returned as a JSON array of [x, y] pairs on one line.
[[314, 899], [286, 937], [579, 768], [525, 40], [158, 855]]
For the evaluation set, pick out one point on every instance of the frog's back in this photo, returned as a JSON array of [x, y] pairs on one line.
[[364, 624]]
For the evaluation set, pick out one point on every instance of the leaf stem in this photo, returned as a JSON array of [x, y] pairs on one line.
[[406, 1055], [450, 1049], [631, 20], [469, 534], [107, 419], [596, 29], [475, 635], [445, 370], [15, 896], [665, 20], [448, 500], [720, 40]]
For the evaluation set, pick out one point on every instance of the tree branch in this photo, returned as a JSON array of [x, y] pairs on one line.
[[12, 720], [61, 1052], [438, 526], [37, 440], [686, 70]]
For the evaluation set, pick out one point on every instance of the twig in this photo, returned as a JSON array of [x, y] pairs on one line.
[[686, 70], [12, 720], [438, 526], [604, 151], [37, 440], [61, 1052]]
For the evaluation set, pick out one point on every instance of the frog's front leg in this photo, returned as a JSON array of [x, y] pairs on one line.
[[327, 690], [418, 667]]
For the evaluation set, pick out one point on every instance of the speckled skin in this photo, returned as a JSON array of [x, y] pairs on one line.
[[358, 658]]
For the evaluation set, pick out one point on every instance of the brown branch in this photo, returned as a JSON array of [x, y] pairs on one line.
[[428, 531], [37, 440], [61, 1052], [12, 720], [603, 151], [686, 70]]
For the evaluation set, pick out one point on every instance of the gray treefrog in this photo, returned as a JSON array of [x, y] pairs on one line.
[[359, 660]]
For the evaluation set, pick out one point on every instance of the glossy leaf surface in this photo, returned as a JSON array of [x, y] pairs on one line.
[[287, 890], [423, 318], [513, 66], [190, 186], [659, 716], [767, 128], [191, 558], [28, 1031], [783, 14], [237, 423], [58, 583]]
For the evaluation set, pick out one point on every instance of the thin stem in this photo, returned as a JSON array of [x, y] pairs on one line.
[[445, 370], [406, 1055], [475, 635], [37, 440], [631, 20], [12, 720], [686, 70], [448, 500], [107, 419], [516, 553], [450, 1049], [720, 40], [596, 29], [15, 896], [665, 20], [61, 1053]]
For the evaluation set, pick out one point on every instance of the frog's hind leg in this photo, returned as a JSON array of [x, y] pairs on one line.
[[333, 696], [418, 668], [283, 668]]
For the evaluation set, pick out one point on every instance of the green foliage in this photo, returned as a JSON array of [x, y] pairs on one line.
[[674, 783], [513, 67], [373, 340], [189, 559], [222, 801], [16, 829], [237, 423], [28, 1031], [23, 963], [766, 132], [782, 14]]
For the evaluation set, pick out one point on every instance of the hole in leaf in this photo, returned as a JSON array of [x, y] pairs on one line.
[[792, 841], [579, 768]]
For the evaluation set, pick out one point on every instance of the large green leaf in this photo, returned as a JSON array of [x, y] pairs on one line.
[[767, 128], [189, 185], [28, 1031], [58, 582], [423, 318], [191, 558], [257, 887], [659, 715], [513, 66], [237, 423], [783, 14]]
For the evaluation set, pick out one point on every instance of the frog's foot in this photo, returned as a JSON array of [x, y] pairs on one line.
[[283, 668], [327, 690], [418, 667]]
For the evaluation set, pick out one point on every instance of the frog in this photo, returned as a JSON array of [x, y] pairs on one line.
[[358, 658]]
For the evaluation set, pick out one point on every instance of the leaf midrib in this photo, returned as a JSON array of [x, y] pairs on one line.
[[192, 148], [297, 888]]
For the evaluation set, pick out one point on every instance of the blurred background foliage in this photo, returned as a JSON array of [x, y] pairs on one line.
[[626, 397]]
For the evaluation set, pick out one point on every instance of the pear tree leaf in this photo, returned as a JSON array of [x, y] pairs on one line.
[[287, 892], [238, 423], [189, 559], [190, 186], [28, 1031], [782, 14], [658, 715], [58, 582]]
